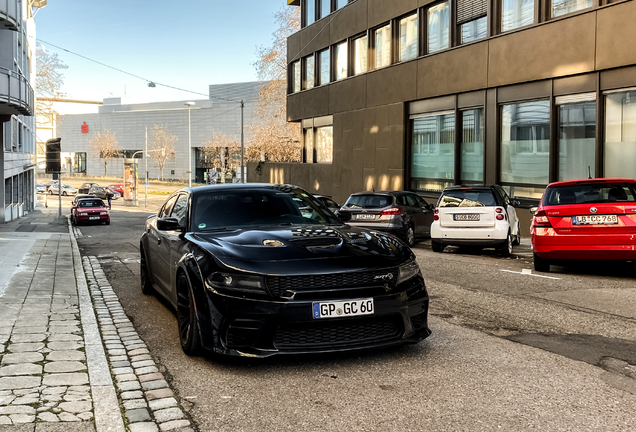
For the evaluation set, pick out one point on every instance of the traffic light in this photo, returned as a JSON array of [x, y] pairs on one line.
[[53, 164]]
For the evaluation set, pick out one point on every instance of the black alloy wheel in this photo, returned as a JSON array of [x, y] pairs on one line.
[[146, 285], [505, 250], [409, 235], [187, 320], [541, 264], [437, 247]]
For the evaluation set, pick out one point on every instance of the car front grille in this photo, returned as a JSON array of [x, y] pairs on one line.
[[418, 321], [277, 285], [332, 334]]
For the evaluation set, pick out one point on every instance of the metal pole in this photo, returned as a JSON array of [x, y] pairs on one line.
[[189, 149], [59, 194], [146, 160], [242, 145]]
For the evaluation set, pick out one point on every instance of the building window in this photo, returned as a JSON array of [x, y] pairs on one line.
[[577, 139], [516, 13], [408, 38], [341, 60], [309, 65], [324, 144], [382, 46], [310, 12], [474, 30], [525, 143], [472, 146], [360, 50], [324, 76], [309, 145], [433, 151], [620, 135], [564, 7], [438, 27], [342, 3], [325, 8], [296, 77]]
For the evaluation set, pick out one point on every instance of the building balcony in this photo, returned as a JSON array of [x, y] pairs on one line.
[[9, 14], [16, 94]]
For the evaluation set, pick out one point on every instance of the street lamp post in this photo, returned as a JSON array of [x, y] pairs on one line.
[[189, 105]]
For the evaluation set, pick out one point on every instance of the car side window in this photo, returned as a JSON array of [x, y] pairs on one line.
[[401, 200], [412, 201], [167, 207], [180, 209], [421, 202]]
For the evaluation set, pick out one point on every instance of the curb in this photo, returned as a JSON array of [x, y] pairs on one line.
[[107, 412]]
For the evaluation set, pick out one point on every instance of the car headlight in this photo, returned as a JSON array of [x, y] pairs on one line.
[[407, 271], [237, 282], [103, 213]]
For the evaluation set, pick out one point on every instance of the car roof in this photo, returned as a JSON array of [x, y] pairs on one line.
[[235, 186], [382, 192], [460, 187], [591, 181]]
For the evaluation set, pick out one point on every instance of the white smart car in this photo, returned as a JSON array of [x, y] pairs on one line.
[[479, 216]]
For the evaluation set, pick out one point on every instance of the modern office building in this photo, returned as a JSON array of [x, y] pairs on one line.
[[220, 114], [17, 106], [419, 95]]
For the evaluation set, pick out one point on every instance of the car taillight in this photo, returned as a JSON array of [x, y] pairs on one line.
[[391, 211], [499, 210], [541, 220], [500, 217], [436, 214]]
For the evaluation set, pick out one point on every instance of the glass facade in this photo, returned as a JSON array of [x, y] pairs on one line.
[[325, 8], [309, 145], [433, 147], [472, 146], [324, 144], [360, 47], [564, 7], [516, 13], [438, 27], [474, 30], [525, 143], [408, 38], [342, 3], [620, 135], [310, 11], [341, 60], [577, 140], [383, 46], [324, 64], [309, 65], [297, 76]]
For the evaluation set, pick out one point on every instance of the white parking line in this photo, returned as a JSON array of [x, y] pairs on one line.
[[528, 272]]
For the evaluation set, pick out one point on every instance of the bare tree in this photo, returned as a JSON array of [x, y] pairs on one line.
[[272, 137], [104, 144], [221, 152], [48, 82], [163, 147]]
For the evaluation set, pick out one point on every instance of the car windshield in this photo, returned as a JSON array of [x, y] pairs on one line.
[[249, 208], [91, 203], [590, 194], [369, 201], [467, 198]]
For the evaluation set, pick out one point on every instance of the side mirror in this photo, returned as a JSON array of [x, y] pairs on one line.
[[515, 203], [533, 210], [168, 224]]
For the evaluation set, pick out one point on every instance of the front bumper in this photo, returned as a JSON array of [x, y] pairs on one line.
[[262, 328]]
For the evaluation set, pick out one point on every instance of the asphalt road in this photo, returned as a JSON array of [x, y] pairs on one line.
[[510, 350]]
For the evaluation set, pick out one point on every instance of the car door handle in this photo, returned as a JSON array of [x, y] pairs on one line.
[[158, 240]]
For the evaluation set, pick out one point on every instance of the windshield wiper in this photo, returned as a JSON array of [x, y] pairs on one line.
[[215, 229]]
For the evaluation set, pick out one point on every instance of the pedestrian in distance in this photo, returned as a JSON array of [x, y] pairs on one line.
[[109, 197]]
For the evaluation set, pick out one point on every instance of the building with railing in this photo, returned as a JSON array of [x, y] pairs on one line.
[[17, 106], [421, 94]]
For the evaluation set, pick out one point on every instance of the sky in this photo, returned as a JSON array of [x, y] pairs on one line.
[[179, 43]]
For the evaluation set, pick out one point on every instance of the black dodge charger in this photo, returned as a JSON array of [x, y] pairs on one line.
[[259, 269]]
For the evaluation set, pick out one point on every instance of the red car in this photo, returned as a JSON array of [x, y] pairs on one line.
[[90, 210], [591, 219], [117, 188]]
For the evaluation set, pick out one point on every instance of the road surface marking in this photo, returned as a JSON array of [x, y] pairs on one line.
[[528, 272]]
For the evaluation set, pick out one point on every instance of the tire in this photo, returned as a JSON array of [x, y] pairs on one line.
[[517, 241], [64, 193], [505, 250], [187, 321], [541, 264], [50, 192], [144, 275], [437, 247], [409, 236], [107, 222]]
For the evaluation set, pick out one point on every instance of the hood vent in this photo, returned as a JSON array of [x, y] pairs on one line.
[[317, 241]]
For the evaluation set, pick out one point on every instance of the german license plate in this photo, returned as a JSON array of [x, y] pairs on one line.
[[365, 216], [466, 217], [93, 218], [340, 309], [595, 220]]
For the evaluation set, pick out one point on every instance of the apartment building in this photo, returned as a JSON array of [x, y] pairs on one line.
[[17, 106], [420, 94]]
